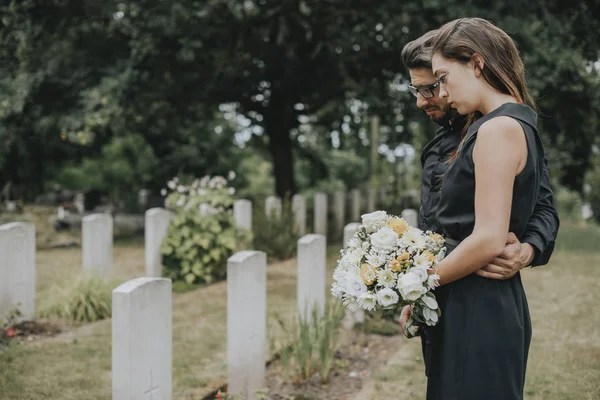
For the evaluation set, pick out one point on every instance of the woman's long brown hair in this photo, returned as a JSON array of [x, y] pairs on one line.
[[503, 68]]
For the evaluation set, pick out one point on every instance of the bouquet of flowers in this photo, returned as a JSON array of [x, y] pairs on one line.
[[389, 264]]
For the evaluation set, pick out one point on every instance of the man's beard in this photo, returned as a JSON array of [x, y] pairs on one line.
[[449, 114]]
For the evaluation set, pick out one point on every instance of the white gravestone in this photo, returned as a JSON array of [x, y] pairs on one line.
[[352, 317], [320, 217], [17, 269], [355, 197], [242, 214], [142, 340], [273, 207], [97, 243], [155, 231], [312, 260], [299, 207], [246, 322], [411, 217], [339, 204]]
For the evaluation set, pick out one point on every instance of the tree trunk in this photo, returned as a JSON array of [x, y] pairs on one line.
[[279, 121]]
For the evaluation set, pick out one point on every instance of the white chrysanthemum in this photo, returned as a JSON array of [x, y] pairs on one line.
[[386, 277], [352, 258], [413, 239], [430, 302], [387, 297], [181, 189], [337, 289], [433, 281], [377, 259], [440, 256], [354, 243], [368, 301], [421, 260], [351, 303], [171, 185]]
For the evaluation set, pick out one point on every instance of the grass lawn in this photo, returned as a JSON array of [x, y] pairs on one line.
[[564, 358]]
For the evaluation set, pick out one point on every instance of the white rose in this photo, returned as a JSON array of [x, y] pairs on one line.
[[411, 287], [420, 272], [384, 239], [375, 218], [387, 297], [431, 317], [355, 286]]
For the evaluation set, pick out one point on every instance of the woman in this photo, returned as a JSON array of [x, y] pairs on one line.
[[479, 348]]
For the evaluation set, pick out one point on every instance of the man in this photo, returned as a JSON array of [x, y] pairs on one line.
[[538, 242]]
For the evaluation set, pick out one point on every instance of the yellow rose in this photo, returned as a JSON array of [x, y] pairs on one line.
[[437, 238], [398, 225], [368, 274], [396, 266], [404, 256]]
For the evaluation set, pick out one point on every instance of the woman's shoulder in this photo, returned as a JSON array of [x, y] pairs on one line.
[[501, 125]]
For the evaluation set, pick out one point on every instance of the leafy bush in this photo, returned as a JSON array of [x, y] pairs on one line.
[[202, 234], [308, 345], [275, 236], [88, 299]]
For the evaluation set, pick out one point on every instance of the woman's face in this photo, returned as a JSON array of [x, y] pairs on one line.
[[458, 83]]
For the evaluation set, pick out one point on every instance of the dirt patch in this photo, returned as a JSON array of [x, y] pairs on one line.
[[30, 331], [355, 363]]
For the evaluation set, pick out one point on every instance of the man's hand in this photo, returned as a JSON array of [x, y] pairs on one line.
[[515, 257], [404, 316]]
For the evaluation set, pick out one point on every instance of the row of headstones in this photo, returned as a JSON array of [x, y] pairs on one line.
[[142, 321], [97, 229], [17, 250], [17, 242]]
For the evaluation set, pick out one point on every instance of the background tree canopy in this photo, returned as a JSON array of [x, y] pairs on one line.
[[194, 87]]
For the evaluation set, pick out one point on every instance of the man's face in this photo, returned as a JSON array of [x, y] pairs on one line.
[[437, 109]]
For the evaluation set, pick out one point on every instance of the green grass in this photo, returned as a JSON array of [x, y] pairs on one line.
[[563, 296], [77, 364]]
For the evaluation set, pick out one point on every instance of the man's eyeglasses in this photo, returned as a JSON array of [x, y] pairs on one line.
[[424, 90]]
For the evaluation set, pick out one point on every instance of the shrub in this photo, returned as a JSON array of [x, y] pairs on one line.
[[88, 299], [198, 244], [275, 236]]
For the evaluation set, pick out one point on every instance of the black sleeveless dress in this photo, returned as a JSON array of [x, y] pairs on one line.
[[479, 348]]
